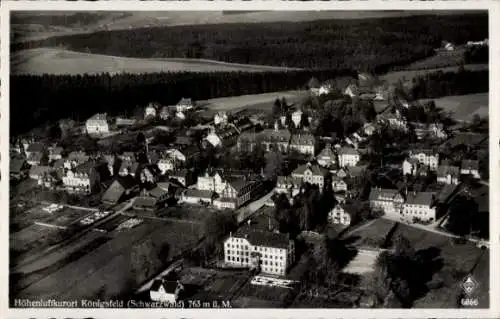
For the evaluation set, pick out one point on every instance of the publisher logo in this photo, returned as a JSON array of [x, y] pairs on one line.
[[469, 285]]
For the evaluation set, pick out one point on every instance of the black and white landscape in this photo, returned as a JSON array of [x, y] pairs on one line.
[[264, 159]]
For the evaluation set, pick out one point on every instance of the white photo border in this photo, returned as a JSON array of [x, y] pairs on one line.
[[494, 108]]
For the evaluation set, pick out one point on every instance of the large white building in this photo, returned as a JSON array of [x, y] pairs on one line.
[[421, 206], [97, 124], [288, 185], [270, 252], [303, 143], [348, 156], [426, 157], [297, 118], [327, 157]]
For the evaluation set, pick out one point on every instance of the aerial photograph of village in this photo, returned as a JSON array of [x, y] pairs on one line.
[[249, 159]]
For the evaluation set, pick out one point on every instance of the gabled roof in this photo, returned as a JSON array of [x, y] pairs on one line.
[[348, 151], [303, 139], [421, 198], [383, 194], [263, 238], [272, 135], [145, 201], [117, 188], [16, 165], [198, 193], [239, 184], [157, 192], [470, 164], [40, 170], [36, 147], [289, 180], [444, 170], [326, 152], [98, 117], [315, 169], [86, 167]]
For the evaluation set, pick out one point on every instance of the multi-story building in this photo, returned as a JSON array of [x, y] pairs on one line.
[[220, 118], [338, 184], [270, 252], [97, 124], [236, 193], [303, 143], [311, 173], [341, 214], [348, 156], [420, 205], [288, 185], [448, 174], [426, 157], [82, 178], [297, 118], [390, 201], [151, 110], [410, 166]]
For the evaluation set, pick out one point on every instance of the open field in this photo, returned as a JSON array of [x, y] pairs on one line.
[[28, 26], [256, 101], [393, 77], [59, 61], [110, 263], [439, 60], [374, 234], [66, 216], [464, 107]]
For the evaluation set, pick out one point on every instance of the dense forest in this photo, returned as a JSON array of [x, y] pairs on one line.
[[439, 84], [37, 99], [372, 45]]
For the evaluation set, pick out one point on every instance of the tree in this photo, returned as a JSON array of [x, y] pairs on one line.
[[460, 215], [277, 111], [216, 226]]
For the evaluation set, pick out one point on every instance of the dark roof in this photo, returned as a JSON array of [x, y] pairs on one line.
[[36, 147], [315, 169], [470, 164], [40, 170], [86, 167], [378, 194], [303, 139], [183, 140], [157, 192], [263, 238], [198, 193], [16, 165], [444, 170], [239, 184], [272, 135], [126, 182], [145, 201], [421, 198], [114, 192]]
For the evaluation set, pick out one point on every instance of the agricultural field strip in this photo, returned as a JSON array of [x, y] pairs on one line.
[[121, 243], [91, 262], [393, 77], [110, 269]]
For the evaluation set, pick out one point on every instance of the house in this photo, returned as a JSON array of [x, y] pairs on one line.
[[55, 153], [97, 124], [166, 164], [470, 167], [220, 118], [83, 178], [151, 200], [288, 185], [352, 90], [303, 143], [151, 110], [426, 157], [341, 214], [390, 201], [279, 138], [327, 157], [149, 174], [223, 137], [164, 113], [184, 105], [18, 168], [166, 291], [75, 158], [338, 184], [121, 122], [410, 166], [369, 129], [448, 174], [311, 173], [214, 182], [180, 115], [122, 187], [195, 196], [183, 176], [128, 167], [297, 118], [236, 194], [348, 156], [37, 172], [421, 206], [437, 130], [35, 153], [270, 252]]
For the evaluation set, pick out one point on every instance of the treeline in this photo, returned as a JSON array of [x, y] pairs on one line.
[[439, 84], [477, 54], [38, 99], [371, 45]]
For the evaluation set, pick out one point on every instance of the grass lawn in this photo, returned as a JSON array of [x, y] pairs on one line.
[[66, 216], [375, 232], [59, 61], [439, 60], [464, 107]]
